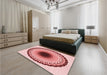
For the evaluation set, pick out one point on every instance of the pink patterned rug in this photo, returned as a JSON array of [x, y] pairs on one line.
[[54, 62]]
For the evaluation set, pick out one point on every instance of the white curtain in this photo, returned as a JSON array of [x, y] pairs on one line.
[[87, 15], [55, 20], [90, 16], [0, 16], [13, 15]]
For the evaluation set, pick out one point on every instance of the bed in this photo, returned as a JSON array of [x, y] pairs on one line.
[[63, 44]]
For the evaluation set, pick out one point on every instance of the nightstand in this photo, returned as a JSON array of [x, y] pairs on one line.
[[91, 39]]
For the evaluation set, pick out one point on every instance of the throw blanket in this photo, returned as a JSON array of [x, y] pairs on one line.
[[67, 38]]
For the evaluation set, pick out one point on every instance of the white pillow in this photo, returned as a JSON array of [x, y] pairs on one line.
[[66, 31], [74, 31]]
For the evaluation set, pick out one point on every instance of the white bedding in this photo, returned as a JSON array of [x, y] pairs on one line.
[[67, 36], [70, 38]]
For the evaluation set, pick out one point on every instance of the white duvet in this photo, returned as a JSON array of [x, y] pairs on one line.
[[74, 37]]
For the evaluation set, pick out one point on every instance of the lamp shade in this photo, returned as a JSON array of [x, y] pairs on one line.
[[55, 28], [90, 27]]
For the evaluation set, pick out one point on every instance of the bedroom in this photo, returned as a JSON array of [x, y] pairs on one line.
[[72, 30]]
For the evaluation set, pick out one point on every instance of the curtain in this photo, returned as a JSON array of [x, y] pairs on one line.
[[0, 17], [55, 20], [81, 16], [13, 15], [91, 16]]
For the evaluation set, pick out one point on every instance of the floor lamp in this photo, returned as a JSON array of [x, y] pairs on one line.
[[90, 28]]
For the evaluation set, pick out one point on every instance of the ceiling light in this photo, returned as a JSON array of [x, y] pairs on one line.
[[51, 3]]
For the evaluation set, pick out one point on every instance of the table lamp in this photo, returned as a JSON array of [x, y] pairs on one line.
[[90, 28], [55, 28]]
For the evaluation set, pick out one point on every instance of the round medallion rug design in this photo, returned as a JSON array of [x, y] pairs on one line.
[[47, 57]]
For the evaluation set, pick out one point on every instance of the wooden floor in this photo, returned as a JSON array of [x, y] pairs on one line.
[[90, 60]]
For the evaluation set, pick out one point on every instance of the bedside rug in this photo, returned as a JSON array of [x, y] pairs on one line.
[[54, 62]]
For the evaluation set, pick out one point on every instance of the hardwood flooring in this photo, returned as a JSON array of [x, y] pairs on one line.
[[90, 60]]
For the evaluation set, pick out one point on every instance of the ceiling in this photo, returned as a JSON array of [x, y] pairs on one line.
[[39, 4]]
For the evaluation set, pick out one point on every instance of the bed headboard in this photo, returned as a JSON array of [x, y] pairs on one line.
[[80, 31]]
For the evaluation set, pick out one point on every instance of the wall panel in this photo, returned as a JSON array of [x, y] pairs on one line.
[[103, 23]]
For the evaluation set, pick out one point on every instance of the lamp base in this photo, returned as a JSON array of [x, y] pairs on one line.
[[90, 31]]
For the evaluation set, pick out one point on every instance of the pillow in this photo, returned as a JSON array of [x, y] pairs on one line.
[[66, 31], [74, 31]]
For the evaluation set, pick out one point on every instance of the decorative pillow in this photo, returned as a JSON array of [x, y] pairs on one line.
[[74, 31], [66, 31]]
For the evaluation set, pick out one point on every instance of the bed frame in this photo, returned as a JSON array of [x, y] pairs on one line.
[[72, 48]]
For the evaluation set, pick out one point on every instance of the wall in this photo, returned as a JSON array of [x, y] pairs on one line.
[[103, 23], [14, 15]]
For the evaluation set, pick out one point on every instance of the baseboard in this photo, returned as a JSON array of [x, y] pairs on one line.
[[102, 49]]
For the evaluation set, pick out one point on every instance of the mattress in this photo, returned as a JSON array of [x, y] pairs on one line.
[[67, 38]]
